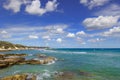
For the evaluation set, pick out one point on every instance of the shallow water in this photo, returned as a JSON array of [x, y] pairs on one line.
[[86, 64]]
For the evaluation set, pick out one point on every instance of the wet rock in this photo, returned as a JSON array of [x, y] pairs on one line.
[[33, 62], [31, 77], [41, 55], [83, 73], [67, 75], [7, 60], [4, 65], [49, 60]]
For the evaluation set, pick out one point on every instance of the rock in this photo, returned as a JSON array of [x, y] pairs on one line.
[[20, 77], [31, 77], [4, 65], [67, 75], [33, 62], [7, 60], [1, 56], [41, 55], [15, 77], [49, 60], [83, 73], [19, 55]]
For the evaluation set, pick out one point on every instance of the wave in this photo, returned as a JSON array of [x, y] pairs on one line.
[[46, 75], [83, 53], [63, 52], [51, 62]]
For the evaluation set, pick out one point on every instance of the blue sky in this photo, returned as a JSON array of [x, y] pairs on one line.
[[61, 23]]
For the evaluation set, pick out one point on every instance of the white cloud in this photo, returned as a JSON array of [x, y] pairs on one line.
[[13, 5], [59, 30], [93, 3], [100, 22], [46, 37], [59, 40], [31, 7], [48, 32], [110, 10], [115, 31], [70, 35], [33, 37], [81, 33], [35, 7], [3, 32], [51, 5], [80, 40], [96, 40]]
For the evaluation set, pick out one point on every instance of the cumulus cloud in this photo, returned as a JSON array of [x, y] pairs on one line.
[[115, 31], [70, 35], [35, 7], [33, 37], [13, 5], [110, 10], [59, 40], [80, 33], [31, 7], [100, 22], [96, 40], [59, 30], [93, 3]]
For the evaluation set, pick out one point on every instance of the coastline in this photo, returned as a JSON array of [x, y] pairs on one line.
[[5, 50]]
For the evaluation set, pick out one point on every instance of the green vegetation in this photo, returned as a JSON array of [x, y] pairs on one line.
[[8, 45], [4, 45]]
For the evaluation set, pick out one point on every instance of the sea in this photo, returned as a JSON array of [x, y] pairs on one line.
[[76, 63]]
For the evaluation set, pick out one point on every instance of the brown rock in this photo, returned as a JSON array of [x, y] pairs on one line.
[[15, 77], [20, 77], [67, 75], [83, 73], [33, 62], [4, 65]]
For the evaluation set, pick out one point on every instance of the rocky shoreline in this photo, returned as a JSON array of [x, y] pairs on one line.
[[7, 60]]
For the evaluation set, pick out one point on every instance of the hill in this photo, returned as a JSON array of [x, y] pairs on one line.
[[4, 45]]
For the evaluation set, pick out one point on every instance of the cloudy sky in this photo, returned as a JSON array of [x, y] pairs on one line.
[[61, 23]]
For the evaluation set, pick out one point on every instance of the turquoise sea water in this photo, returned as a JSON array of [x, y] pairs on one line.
[[87, 64]]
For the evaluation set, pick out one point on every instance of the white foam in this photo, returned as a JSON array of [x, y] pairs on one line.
[[52, 62], [64, 52], [30, 54], [46, 74]]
